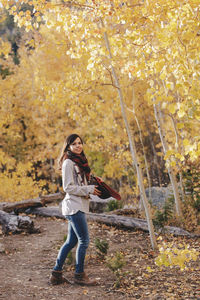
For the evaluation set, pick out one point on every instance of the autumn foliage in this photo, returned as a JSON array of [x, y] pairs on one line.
[[63, 82]]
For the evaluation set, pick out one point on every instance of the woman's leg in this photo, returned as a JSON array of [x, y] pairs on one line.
[[79, 225], [66, 247]]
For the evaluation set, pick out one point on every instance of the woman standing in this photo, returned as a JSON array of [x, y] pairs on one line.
[[75, 177]]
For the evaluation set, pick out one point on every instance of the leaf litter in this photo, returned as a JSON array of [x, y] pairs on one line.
[[27, 261]]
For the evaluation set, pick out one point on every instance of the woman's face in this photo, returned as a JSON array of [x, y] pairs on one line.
[[77, 146]]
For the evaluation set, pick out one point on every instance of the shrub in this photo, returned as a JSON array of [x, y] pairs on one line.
[[115, 264], [162, 216], [101, 247], [114, 204]]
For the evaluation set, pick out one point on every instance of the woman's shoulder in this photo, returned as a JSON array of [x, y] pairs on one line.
[[67, 162]]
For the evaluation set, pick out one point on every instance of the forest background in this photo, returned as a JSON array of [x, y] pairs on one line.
[[82, 66]]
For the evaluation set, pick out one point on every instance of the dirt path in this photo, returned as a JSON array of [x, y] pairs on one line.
[[26, 265]]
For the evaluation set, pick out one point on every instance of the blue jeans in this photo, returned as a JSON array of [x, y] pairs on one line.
[[77, 233]]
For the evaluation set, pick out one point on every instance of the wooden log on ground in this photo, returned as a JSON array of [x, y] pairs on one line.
[[112, 220], [96, 204], [50, 211], [119, 221], [135, 223], [45, 199], [16, 224], [21, 206]]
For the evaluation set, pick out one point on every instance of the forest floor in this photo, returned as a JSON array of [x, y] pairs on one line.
[[26, 264]]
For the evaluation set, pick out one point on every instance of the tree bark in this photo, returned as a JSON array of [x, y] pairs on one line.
[[141, 141], [132, 148], [178, 148], [170, 170]]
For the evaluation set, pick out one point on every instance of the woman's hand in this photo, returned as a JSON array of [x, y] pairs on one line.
[[96, 191], [100, 179]]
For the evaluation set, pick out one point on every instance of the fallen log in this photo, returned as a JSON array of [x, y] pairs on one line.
[[135, 223], [112, 220], [16, 224], [50, 211], [96, 204], [21, 206], [45, 199], [119, 221]]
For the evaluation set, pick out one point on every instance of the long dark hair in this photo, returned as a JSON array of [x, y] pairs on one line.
[[68, 141]]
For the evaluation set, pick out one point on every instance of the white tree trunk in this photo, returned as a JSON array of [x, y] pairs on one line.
[[178, 148], [133, 150], [141, 141], [172, 176]]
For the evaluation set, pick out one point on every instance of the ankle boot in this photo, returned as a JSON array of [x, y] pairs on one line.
[[57, 278], [83, 279]]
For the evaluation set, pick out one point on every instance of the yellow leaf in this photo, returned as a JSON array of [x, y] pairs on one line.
[[181, 113], [172, 108], [173, 163], [39, 19], [186, 142], [149, 269], [163, 76], [180, 125], [169, 153]]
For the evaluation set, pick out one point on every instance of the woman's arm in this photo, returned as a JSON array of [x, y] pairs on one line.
[[69, 185]]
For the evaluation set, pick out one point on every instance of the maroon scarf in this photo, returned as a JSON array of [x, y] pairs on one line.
[[82, 163]]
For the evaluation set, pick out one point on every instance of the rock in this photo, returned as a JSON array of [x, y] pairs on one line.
[[159, 195], [176, 231]]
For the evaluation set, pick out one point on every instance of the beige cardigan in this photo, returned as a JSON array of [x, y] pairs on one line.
[[77, 195]]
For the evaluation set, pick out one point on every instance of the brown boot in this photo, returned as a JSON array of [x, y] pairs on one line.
[[57, 278], [82, 279]]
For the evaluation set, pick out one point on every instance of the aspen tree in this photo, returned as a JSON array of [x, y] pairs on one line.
[[141, 141], [172, 176], [132, 149]]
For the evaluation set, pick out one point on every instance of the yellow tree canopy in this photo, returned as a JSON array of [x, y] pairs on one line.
[[67, 72]]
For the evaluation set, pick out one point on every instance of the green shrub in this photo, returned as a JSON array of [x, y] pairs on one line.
[[101, 247], [162, 216], [114, 204], [115, 264]]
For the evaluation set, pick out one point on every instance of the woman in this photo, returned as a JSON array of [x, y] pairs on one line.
[[75, 177]]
